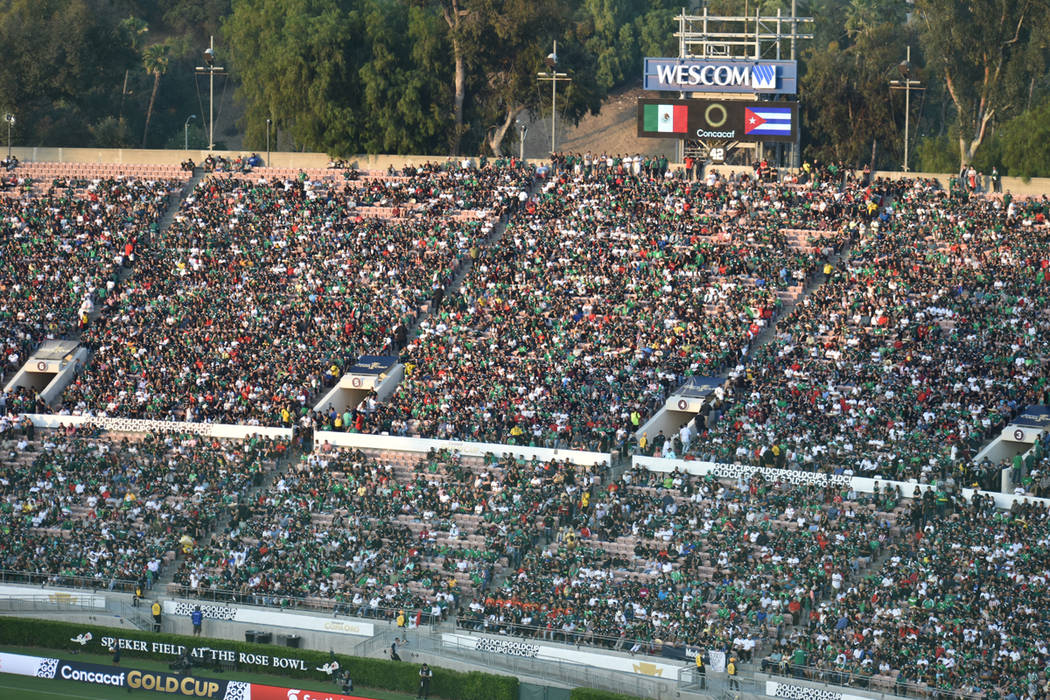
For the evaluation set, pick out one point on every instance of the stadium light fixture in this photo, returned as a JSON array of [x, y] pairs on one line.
[[10, 119], [211, 69], [553, 76], [521, 144], [906, 84], [186, 132]]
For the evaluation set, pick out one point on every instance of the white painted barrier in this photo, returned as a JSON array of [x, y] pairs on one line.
[[775, 689], [510, 646], [135, 425], [63, 596], [270, 617], [474, 449], [860, 484]]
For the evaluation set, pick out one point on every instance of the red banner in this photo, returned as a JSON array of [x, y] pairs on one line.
[[272, 692]]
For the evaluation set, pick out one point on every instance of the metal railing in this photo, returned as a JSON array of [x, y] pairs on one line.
[[44, 580], [65, 602], [871, 685], [568, 672]]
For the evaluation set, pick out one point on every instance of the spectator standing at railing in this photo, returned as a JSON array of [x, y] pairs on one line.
[[731, 670], [197, 618]]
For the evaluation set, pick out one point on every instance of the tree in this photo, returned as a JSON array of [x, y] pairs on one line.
[[64, 63], [518, 36], [463, 20], [297, 62], [406, 104], [155, 61], [847, 103], [1025, 142], [973, 45], [195, 17]]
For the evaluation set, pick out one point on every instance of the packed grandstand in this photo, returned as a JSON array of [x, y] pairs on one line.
[[886, 329]]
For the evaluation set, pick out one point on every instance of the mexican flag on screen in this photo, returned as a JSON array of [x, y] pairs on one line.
[[669, 118]]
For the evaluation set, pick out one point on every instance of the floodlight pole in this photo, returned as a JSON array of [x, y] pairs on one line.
[[907, 85], [186, 132], [211, 70], [554, 77], [521, 143], [268, 121], [10, 119]]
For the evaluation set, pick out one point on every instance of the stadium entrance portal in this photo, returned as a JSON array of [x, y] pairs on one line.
[[374, 376], [50, 368], [689, 405]]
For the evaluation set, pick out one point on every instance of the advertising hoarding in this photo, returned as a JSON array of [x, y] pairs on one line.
[[726, 76]]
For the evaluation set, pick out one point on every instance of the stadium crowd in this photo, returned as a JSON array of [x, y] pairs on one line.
[[367, 535], [920, 346], [256, 296], [64, 249], [606, 291], [612, 284], [78, 504], [685, 560], [957, 606]]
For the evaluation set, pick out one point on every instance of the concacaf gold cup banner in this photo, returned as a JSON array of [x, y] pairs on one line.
[[155, 681]]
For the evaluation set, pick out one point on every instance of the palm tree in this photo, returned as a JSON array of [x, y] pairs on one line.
[[155, 60]]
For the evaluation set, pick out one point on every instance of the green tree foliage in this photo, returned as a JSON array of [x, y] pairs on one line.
[[519, 37], [297, 63], [620, 33], [194, 17], [989, 54], [405, 101], [1025, 142], [935, 154], [155, 60], [64, 63], [405, 75], [846, 101]]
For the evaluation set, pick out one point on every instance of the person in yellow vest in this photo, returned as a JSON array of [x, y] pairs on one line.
[[401, 619], [701, 671], [155, 610], [731, 670]]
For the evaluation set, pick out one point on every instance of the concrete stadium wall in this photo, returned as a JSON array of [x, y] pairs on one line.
[[143, 156], [476, 449], [131, 425], [1036, 187], [859, 483]]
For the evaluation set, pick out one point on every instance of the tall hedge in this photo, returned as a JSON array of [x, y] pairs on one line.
[[595, 694], [372, 673]]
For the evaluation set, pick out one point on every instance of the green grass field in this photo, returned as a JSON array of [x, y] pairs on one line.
[[26, 688]]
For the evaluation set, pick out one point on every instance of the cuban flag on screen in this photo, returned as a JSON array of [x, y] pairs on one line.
[[767, 121]]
